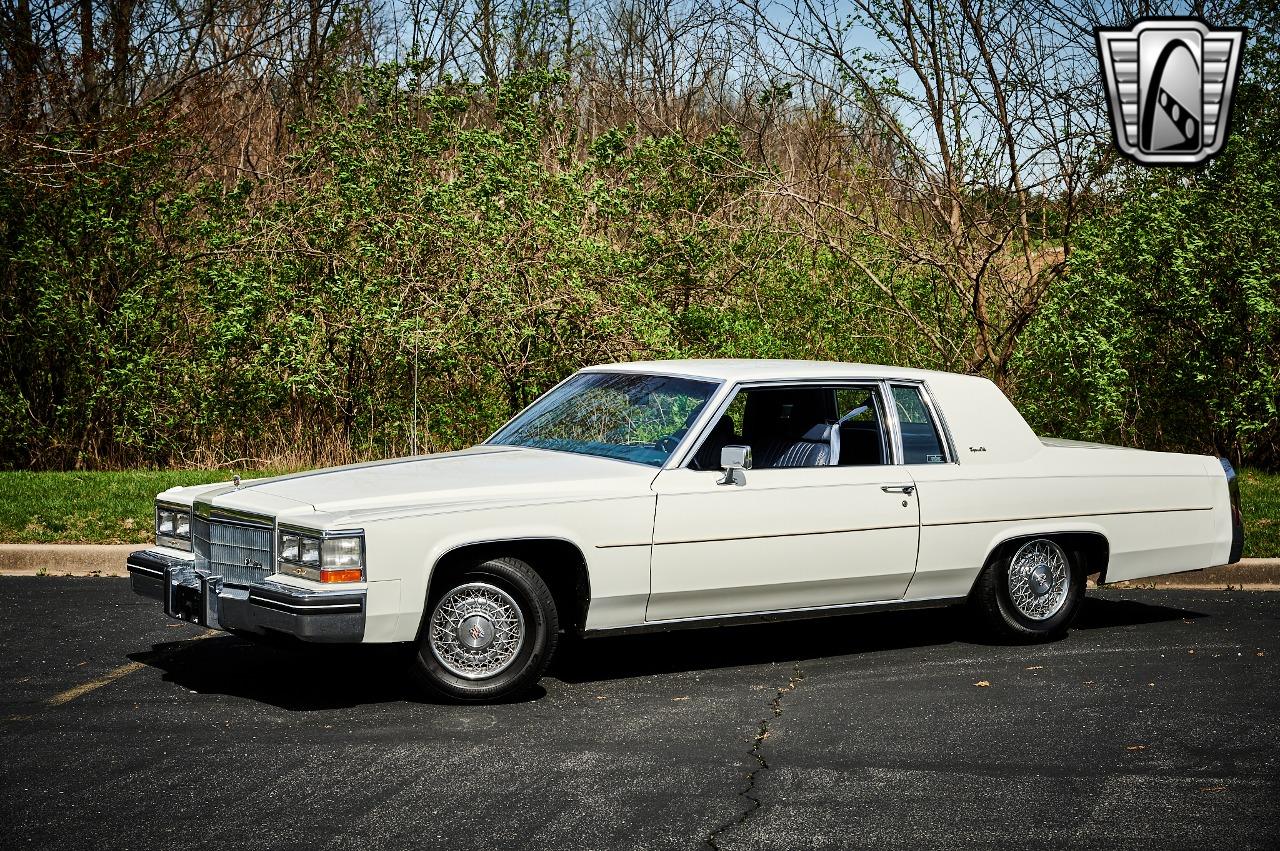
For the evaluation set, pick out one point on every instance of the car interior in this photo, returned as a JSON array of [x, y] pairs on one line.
[[800, 427]]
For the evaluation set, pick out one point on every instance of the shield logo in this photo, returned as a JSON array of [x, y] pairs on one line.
[[1169, 83]]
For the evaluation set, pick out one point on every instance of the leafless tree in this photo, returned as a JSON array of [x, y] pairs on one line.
[[972, 137]]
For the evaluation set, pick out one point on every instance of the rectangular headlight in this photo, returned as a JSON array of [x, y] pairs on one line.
[[173, 526], [322, 557]]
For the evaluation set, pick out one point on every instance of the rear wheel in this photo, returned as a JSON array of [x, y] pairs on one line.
[[1031, 593], [488, 634]]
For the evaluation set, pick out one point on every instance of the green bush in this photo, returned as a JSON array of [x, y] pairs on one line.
[[1166, 331]]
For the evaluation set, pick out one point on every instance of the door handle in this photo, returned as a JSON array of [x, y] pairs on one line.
[[907, 489]]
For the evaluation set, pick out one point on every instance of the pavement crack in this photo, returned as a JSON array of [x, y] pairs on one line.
[[757, 753]]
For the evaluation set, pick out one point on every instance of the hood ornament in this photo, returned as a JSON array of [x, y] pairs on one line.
[[235, 480]]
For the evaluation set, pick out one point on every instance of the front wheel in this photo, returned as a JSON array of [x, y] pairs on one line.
[[1031, 593], [489, 632]]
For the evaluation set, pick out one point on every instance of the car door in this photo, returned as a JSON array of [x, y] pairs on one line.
[[788, 537]]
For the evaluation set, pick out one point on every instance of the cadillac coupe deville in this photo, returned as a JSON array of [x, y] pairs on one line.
[[665, 495]]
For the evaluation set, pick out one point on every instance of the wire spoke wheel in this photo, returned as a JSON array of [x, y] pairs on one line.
[[477, 630], [1039, 579]]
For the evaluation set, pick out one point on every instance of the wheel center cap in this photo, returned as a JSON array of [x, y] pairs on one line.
[[475, 632], [1039, 579]]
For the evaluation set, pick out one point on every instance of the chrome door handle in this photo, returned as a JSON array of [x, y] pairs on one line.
[[907, 489]]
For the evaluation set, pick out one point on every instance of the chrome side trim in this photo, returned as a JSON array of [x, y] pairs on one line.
[[203, 507], [785, 534], [1065, 517], [893, 423], [319, 533], [334, 608], [773, 616], [940, 422]]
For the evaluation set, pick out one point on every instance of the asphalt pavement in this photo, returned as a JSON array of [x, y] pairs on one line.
[[1155, 724]]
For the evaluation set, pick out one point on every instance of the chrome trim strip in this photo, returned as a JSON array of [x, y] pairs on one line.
[[1068, 516], [173, 542], [265, 589], [895, 425], [785, 535], [206, 510], [146, 571], [940, 422], [772, 615], [318, 608], [319, 533], [133, 559]]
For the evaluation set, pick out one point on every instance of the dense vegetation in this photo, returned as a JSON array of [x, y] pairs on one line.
[[195, 273]]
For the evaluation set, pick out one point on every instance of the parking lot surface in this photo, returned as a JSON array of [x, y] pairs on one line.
[[1155, 724]]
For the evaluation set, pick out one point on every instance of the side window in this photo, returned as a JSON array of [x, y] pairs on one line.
[[863, 439], [921, 442], [801, 426]]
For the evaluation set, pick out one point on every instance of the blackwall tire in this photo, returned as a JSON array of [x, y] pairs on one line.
[[1031, 592], [487, 634]]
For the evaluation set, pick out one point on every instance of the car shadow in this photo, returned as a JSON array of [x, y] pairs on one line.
[[605, 658], [295, 678], [303, 678], [1098, 613]]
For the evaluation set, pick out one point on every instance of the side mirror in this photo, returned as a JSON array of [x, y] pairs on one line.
[[733, 460]]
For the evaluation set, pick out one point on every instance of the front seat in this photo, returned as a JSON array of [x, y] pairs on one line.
[[787, 427], [813, 449]]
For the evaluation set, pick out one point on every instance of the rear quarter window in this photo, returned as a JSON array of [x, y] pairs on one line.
[[921, 440]]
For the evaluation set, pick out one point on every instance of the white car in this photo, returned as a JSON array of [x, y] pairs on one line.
[[663, 495]]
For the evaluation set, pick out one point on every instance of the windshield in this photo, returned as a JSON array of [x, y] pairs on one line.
[[627, 416]]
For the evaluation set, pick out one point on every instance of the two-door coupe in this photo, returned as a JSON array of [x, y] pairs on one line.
[[653, 496]]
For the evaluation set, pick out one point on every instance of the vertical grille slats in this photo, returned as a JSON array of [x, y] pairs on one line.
[[223, 548]]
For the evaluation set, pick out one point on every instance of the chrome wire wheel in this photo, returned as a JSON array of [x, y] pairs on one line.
[[1039, 579], [477, 630]]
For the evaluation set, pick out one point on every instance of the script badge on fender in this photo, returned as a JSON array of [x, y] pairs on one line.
[[1169, 83]]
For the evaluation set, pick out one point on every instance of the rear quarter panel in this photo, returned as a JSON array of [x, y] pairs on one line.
[[1159, 512]]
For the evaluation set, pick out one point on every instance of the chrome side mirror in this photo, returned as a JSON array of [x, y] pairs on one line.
[[733, 460]]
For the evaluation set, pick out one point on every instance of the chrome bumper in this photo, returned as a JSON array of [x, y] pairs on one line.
[[197, 597]]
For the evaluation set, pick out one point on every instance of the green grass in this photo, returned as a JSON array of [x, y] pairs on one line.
[[1260, 503], [115, 508], [90, 508]]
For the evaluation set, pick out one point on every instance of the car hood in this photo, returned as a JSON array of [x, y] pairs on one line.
[[483, 474]]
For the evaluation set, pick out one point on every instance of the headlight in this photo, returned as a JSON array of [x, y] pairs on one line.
[[173, 526], [322, 556]]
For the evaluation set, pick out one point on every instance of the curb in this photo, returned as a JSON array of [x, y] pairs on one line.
[[65, 559], [1248, 574]]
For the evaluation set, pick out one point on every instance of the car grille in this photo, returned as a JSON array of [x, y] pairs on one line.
[[238, 552]]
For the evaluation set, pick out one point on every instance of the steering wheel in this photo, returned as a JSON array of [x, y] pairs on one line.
[[667, 444]]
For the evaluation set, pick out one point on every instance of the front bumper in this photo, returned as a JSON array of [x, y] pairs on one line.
[[198, 597]]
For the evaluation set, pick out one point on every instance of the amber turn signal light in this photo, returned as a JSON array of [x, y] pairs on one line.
[[345, 575]]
